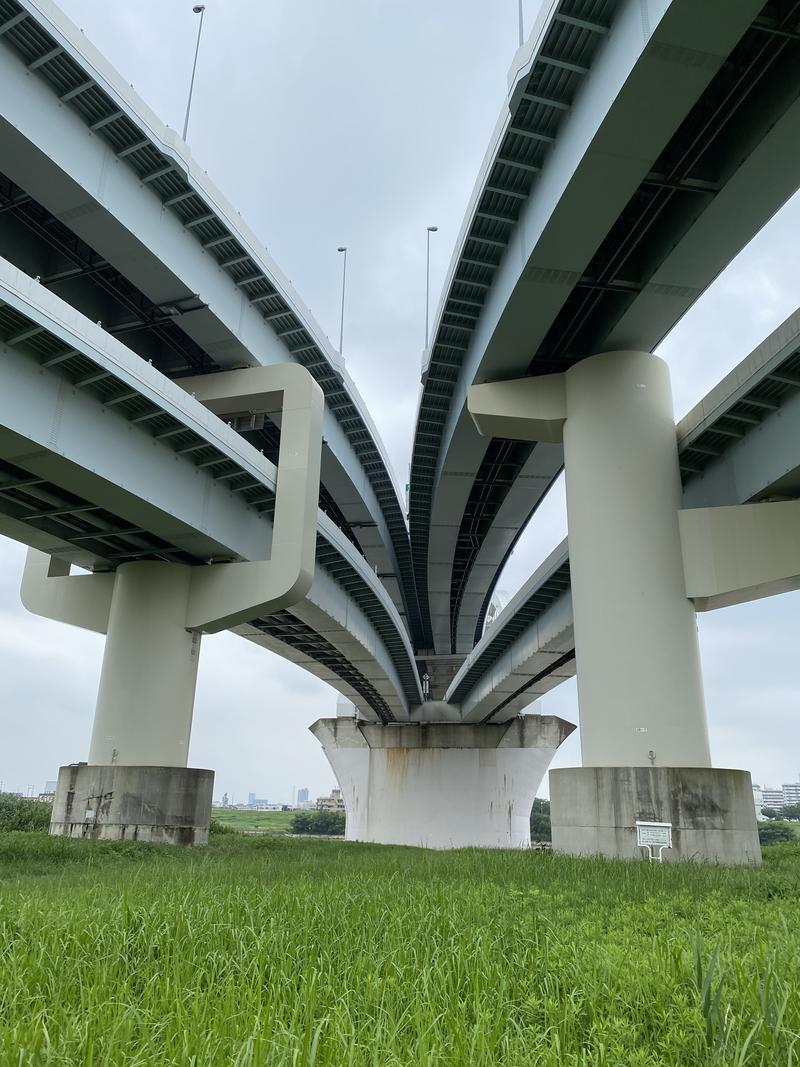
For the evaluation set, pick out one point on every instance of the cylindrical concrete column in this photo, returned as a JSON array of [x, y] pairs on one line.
[[639, 682], [147, 684]]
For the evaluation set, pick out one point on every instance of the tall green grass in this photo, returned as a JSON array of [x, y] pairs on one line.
[[271, 951], [243, 819]]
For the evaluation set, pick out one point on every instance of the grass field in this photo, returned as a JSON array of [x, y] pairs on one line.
[[272, 951], [278, 821]]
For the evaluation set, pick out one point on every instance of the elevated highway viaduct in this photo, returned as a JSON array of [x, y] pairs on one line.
[[115, 242], [634, 158], [639, 150], [736, 529], [108, 465], [108, 208], [739, 445]]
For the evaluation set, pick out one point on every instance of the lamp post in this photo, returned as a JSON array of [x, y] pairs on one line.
[[521, 29], [198, 9], [344, 281], [431, 229]]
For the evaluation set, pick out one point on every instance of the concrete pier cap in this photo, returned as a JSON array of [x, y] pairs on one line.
[[441, 785]]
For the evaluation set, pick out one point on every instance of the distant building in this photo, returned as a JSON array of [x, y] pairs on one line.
[[50, 787], [258, 802], [225, 801], [771, 796], [334, 802], [302, 796]]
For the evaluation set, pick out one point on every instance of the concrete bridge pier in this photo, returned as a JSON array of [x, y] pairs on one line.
[[147, 683], [640, 687], [441, 785], [136, 784]]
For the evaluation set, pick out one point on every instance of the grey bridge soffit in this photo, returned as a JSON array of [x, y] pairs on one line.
[[521, 145], [734, 409], [739, 404], [545, 586], [120, 381], [83, 81], [632, 310], [100, 366]]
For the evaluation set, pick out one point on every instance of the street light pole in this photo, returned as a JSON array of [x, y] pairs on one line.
[[521, 28], [198, 9], [431, 229], [344, 282]]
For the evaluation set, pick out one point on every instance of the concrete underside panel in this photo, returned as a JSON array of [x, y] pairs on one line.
[[614, 134], [164, 805], [441, 785], [75, 174], [341, 645], [763, 464], [532, 666], [56, 430], [594, 811]]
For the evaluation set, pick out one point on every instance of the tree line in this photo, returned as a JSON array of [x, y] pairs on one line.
[[332, 823]]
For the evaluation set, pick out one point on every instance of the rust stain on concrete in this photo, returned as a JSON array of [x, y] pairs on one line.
[[397, 762]]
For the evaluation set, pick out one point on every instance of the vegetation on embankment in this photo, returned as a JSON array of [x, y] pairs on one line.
[[332, 823], [273, 951], [252, 819], [320, 823], [23, 813]]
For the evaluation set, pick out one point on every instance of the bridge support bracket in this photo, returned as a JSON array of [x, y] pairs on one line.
[[441, 785], [594, 811], [732, 555]]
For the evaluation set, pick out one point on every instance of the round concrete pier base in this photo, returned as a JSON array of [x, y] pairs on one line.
[[441, 785], [169, 805], [594, 810]]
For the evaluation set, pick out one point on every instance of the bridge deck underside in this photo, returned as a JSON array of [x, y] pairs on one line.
[[180, 332], [700, 198], [100, 507], [740, 444]]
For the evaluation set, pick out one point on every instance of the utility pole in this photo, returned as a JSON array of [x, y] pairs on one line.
[[198, 9], [431, 229], [343, 248]]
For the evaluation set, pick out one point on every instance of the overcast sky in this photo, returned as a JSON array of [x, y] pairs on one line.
[[361, 122]]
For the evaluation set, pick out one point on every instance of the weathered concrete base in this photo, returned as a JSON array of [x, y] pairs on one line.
[[441, 785], [170, 805], [594, 810]]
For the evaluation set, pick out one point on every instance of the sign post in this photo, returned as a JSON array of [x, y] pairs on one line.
[[652, 835]]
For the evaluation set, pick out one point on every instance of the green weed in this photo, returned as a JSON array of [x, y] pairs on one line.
[[271, 951]]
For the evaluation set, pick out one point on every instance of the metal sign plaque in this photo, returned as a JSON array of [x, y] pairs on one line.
[[654, 835]]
